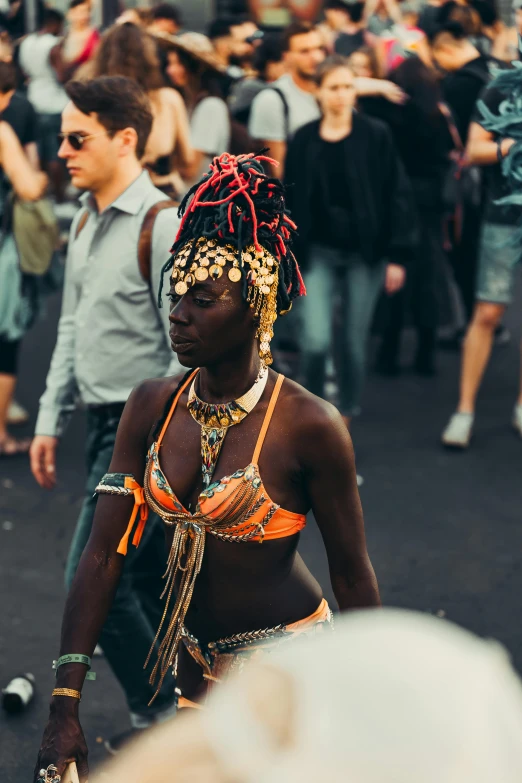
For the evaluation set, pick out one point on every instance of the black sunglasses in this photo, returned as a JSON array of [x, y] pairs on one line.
[[76, 140]]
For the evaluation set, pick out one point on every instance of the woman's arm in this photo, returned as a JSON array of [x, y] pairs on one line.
[[331, 482], [61, 66], [183, 148], [364, 85], [483, 149], [27, 183], [96, 581]]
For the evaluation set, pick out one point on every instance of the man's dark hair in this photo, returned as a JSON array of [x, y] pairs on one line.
[[456, 21], [487, 12], [52, 16], [167, 11], [7, 77], [219, 28], [118, 102], [76, 3], [336, 5], [269, 51], [355, 11], [293, 29]]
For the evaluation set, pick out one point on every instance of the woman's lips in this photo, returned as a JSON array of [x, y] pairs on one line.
[[180, 344]]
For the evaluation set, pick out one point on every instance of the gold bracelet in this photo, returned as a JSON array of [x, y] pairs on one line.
[[67, 692]]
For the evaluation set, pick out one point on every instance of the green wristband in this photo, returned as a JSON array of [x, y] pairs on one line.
[[75, 658]]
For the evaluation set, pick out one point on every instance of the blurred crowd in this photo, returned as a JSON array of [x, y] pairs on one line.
[[368, 113], [382, 119]]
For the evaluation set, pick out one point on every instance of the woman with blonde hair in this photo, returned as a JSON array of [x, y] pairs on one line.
[[127, 50]]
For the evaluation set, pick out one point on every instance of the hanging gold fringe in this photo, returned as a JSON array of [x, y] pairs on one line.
[[185, 558]]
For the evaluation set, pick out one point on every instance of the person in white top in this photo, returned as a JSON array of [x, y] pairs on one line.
[[194, 69], [46, 94], [289, 103]]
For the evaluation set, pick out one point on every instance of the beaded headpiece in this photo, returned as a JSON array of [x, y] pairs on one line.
[[236, 216]]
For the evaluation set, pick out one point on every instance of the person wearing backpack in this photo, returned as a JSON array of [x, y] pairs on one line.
[[111, 336], [467, 74], [493, 132], [194, 70], [289, 103]]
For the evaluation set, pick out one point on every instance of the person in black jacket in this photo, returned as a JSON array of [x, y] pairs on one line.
[[352, 200]]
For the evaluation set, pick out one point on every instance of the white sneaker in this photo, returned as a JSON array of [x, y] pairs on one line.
[[16, 414], [457, 434], [517, 419]]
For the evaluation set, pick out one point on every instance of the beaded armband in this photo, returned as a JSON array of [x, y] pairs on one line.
[[75, 658], [125, 484]]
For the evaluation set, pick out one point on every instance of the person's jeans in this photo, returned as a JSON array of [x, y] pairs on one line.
[[135, 614], [333, 272]]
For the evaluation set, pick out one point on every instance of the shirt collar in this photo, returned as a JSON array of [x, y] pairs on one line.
[[130, 201]]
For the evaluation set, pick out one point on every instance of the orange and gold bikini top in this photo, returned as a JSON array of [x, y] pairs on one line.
[[237, 508]]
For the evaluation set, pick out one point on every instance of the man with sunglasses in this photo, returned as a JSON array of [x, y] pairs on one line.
[[111, 336]]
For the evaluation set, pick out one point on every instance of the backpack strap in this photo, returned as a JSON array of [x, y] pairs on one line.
[[286, 109], [145, 240], [81, 223], [452, 127]]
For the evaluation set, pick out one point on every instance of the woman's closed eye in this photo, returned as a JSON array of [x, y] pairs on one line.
[[198, 300]]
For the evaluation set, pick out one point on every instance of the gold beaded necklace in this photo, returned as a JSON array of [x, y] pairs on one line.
[[216, 418]]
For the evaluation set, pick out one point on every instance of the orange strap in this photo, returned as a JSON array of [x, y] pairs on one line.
[[139, 505], [268, 418], [173, 406]]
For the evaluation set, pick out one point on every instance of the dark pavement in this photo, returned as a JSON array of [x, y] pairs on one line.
[[444, 529]]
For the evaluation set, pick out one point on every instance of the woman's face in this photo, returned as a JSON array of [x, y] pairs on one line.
[[361, 65], [80, 16], [176, 71], [211, 323], [337, 92]]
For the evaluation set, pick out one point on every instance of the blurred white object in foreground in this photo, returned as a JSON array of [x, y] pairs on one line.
[[390, 697]]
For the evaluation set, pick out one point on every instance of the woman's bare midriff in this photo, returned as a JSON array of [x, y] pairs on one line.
[[245, 587]]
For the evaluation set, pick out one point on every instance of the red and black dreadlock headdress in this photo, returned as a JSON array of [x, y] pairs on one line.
[[237, 204]]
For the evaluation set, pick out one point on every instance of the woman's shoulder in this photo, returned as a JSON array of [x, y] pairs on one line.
[[305, 131], [376, 125], [169, 96], [211, 103], [315, 419], [149, 399]]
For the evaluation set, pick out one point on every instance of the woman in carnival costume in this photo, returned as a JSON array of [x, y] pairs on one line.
[[232, 457]]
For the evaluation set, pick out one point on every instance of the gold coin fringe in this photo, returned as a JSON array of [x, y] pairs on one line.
[[209, 261]]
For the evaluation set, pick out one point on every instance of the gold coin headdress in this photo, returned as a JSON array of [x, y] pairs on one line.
[[234, 222]]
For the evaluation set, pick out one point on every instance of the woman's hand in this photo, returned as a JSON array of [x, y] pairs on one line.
[[395, 278], [392, 92], [28, 184], [63, 742]]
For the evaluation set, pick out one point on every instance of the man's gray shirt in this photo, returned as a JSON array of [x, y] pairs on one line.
[[111, 334]]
